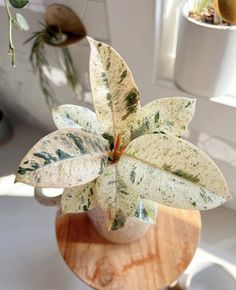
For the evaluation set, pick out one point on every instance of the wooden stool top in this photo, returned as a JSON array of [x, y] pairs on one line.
[[147, 264]]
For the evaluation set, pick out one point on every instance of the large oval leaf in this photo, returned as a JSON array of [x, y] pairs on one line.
[[71, 116], [173, 172], [64, 158], [115, 197], [116, 97], [78, 199], [168, 115], [146, 211]]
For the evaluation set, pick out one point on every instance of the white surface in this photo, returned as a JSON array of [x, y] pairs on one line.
[[30, 259]]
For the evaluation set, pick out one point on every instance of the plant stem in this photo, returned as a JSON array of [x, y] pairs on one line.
[[11, 51]]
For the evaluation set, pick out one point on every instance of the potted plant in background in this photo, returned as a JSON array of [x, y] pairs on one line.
[[119, 163], [205, 57]]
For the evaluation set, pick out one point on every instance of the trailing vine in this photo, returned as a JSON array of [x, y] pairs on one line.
[[18, 22], [39, 61]]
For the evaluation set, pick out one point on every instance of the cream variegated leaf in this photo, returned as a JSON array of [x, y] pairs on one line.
[[71, 116], [115, 197], [146, 211], [78, 199], [168, 115], [65, 158], [173, 172], [115, 95]]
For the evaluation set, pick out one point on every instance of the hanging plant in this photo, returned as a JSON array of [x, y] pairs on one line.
[[18, 22], [124, 159], [62, 28]]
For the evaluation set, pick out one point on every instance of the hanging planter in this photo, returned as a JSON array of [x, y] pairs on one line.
[[62, 28], [67, 23], [205, 57]]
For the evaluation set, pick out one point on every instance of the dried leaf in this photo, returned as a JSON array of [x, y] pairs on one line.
[[116, 97], [78, 199], [146, 211], [168, 115], [173, 172], [71, 116], [65, 158], [115, 197]]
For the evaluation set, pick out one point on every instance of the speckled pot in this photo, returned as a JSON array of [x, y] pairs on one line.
[[133, 230]]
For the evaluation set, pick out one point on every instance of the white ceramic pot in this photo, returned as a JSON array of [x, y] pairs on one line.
[[133, 230], [205, 56]]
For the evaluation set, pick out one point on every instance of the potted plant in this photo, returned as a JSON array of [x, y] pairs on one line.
[[205, 57], [119, 163]]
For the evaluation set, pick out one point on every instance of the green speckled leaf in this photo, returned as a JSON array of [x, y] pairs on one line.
[[173, 172], [116, 97], [146, 211], [65, 158], [168, 115], [78, 199], [115, 197], [71, 116]]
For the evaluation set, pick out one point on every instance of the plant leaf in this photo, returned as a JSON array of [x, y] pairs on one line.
[[168, 115], [70, 116], [146, 211], [21, 22], [115, 197], [65, 158], [173, 172], [78, 199], [18, 3], [115, 95]]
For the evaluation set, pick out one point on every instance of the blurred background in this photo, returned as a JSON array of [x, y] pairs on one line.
[[145, 33]]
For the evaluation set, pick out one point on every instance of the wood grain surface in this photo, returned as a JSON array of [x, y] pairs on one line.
[[148, 264]]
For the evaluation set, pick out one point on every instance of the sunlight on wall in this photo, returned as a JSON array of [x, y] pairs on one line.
[[8, 187]]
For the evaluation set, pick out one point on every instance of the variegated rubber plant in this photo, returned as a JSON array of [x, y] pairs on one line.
[[124, 158]]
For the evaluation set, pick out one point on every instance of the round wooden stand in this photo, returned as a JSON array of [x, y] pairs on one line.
[[151, 263]]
